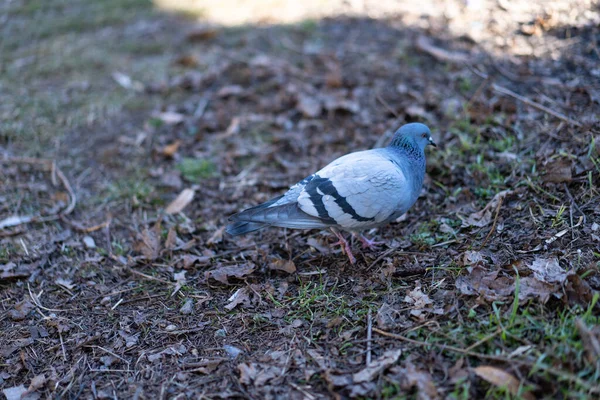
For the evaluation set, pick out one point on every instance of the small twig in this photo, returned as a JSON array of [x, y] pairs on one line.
[[573, 202], [508, 92], [38, 304], [149, 277], [67, 186], [109, 352], [500, 201], [386, 105], [117, 304], [62, 346], [482, 341], [55, 172], [78, 227], [449, 348], [369, 337]]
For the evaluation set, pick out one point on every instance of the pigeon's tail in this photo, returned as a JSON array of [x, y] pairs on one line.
[[284, 216], [242, 227]]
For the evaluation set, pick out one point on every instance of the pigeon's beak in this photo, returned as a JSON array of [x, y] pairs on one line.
[[431, 142]]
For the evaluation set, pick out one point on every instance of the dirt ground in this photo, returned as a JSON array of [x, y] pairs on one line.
[[131, 130]]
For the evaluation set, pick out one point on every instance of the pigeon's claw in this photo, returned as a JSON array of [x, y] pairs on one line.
[[345, 246], [368, 243]]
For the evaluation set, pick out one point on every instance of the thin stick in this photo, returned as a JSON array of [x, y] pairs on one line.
[[500, 201], [573, 203], [369, 337], [149, 277], [55, 172], [386, 105], [449, 348], [508, 92], [62, 346]]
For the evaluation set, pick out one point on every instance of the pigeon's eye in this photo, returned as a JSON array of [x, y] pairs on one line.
[[424, 135]]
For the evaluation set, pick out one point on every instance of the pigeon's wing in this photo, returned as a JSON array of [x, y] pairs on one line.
[[282, 211], [355, 191]]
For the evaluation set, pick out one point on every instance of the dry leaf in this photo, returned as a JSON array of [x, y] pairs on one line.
[[37, 382], [187, 261], [422, 380], [283, 265], [548, 270], [170, 149], [181, 201], [558, 171], [369, 373], [531, 287], [21, 310], [248, 373], [499, 377], [171, 240], [148, 242], [222, 274], [473, 258], [66, 283], [417, 298], [484, 217], [217, 236], [241, 296], [486, 284]]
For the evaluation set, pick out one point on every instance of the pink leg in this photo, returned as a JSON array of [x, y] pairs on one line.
[[345, 246], [367, 243]]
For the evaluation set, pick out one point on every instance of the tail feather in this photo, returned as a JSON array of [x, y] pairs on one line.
[[242, 227], [285, 216]]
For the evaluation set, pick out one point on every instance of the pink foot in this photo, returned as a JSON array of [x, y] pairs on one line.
[[367, 243], [345, 246]]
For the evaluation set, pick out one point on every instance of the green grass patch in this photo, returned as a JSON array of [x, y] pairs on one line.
[[194, 169]]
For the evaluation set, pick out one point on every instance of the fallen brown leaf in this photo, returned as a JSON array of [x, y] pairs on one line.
[[181, 201], [222, 274], [499, 377], [484, 217], [148, 242], [369, 373], [241, 296], [283, 265], [558, 171], [548, 270], [170, 149]]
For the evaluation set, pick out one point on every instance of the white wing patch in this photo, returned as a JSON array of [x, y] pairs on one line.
[[356, 190]]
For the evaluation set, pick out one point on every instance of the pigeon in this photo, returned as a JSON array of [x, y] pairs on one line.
[[355, 192]]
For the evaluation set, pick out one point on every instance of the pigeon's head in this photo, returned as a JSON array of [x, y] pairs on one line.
[[415, 134]]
